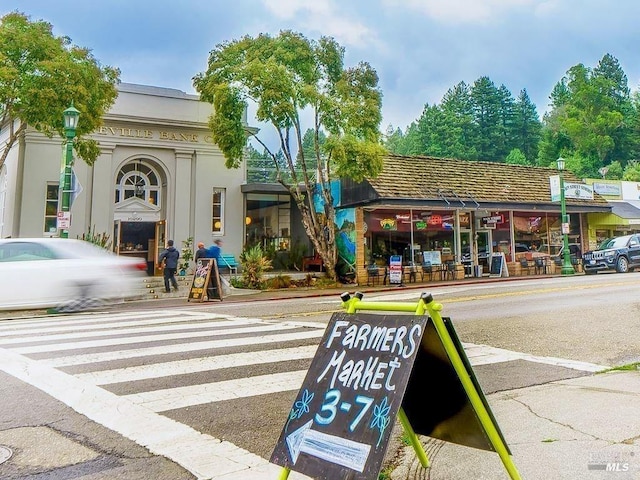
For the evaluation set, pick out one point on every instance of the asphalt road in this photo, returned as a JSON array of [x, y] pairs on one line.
[[231, 370]]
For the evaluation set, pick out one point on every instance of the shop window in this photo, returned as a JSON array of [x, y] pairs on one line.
[[217, 218], [51, 209]]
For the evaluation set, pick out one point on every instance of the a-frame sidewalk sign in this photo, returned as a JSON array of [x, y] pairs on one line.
[[371, 368], [206, 281]]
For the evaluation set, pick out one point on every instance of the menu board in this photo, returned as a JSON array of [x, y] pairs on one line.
[[341, 420], [395, 269], [206, 281]]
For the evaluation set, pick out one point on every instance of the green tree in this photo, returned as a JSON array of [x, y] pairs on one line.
[[41, 75], [487, 112], [286, 75], [516, 157], [613, 171], [526, 131], [632, 172]]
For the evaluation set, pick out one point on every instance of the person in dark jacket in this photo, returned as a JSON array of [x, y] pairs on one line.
[[201, 252], [170, 258]]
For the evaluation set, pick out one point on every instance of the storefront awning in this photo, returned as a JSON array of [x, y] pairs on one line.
[[622, 213]]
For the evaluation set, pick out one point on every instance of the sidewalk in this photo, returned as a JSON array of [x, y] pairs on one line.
[[582, 428]]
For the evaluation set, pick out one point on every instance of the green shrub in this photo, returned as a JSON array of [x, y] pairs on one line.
[[254, 265], [102, 240], [279, 281]]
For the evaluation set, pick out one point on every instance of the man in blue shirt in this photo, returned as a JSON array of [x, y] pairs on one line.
[[215, 250]]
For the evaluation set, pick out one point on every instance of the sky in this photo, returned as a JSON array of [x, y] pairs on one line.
[[419, 48]]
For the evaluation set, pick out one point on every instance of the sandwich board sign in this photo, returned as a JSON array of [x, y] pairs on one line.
[[206, 281], [344, 413], [498, 266], [370, 368]]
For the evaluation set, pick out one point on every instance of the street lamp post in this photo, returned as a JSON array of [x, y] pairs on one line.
[[567, 267], [71, 116]]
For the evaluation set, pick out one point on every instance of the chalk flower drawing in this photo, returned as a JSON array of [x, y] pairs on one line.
[[381, 418], [300, 407]]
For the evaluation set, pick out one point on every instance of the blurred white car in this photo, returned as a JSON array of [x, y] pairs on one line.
[[65, 274]]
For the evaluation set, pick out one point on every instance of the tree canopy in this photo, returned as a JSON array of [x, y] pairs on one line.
[[289, 77], [41, 75]]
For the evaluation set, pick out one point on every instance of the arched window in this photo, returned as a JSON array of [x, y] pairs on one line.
[[138, 179]]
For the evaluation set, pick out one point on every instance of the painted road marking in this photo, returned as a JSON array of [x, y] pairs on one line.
[[178, 348], [59, 347], [101, 324], [181, 397], [37, 336], [194, 365]]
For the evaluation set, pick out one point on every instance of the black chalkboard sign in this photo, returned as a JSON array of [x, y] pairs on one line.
[[497, 262], [206, 281], [343, 415], [201, 278]]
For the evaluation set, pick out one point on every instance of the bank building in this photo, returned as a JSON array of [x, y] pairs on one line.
[[158, 176]]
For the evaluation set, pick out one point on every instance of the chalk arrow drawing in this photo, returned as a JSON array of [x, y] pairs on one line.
[[330, 448]]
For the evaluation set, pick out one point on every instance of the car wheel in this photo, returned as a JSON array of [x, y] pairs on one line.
[[622, 265], [82, 300]]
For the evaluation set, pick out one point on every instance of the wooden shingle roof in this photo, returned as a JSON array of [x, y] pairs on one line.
[[428, 179]]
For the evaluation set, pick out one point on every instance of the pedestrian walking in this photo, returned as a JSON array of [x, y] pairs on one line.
[[215, 250], [201, 252], [170, 259]]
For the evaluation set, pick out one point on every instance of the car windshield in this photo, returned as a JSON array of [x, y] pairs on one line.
[[615, 242]]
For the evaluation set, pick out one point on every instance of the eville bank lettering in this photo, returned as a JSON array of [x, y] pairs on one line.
[[151, 134]]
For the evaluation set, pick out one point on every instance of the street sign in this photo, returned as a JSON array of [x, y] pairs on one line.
[[64, 220]]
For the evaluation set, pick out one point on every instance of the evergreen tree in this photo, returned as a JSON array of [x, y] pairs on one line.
[[487, 107], [526, 127]]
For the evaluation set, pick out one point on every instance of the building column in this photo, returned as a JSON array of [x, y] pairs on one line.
[[182, 227], [100, 192]]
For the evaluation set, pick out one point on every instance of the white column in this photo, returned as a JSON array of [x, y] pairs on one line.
[[182, 227]]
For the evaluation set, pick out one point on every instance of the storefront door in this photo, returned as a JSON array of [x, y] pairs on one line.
[[483, 249]]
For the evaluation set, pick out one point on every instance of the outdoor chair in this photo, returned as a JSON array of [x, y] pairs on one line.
[[525, 266], [427, 269], [541, 266], [450, 271], [373, 274]]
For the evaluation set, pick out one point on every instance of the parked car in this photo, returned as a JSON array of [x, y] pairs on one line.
[[64, 273], [556, 251], [621, 254]]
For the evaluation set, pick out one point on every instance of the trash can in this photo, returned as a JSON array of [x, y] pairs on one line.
[[477, 270]]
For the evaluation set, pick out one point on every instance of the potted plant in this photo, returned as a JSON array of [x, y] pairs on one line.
[[186, 255]]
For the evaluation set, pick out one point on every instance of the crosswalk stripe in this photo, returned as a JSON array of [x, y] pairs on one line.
[[180, 397], [110, 330], [194, 365], [157, 320], [81, 359], [58, 347], [80, 318]]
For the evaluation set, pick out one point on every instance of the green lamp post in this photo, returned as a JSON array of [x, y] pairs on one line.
[[567, 267], [71, 116]]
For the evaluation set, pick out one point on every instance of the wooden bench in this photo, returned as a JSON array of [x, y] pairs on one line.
[[313, 261], [229, 262]]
